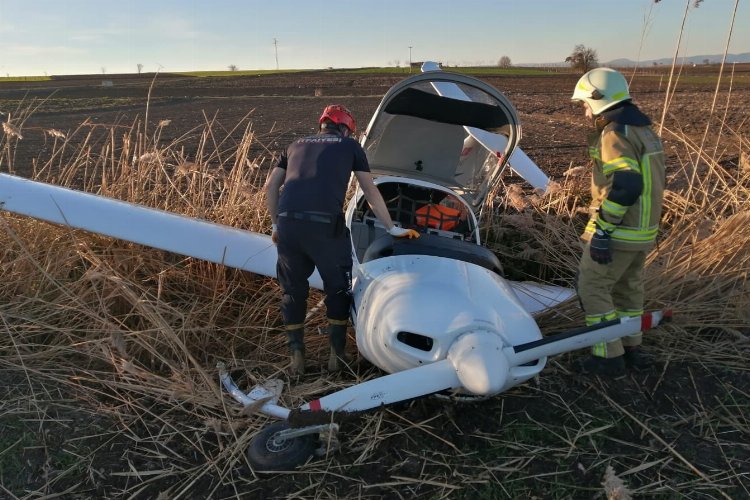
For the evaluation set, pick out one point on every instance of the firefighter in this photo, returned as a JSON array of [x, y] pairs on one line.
[[627, 187], [308, 226]]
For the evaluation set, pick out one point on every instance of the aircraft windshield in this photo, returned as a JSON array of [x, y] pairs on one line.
[[441, 131]]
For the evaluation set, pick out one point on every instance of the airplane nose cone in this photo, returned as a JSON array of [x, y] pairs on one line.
[[480, 364]]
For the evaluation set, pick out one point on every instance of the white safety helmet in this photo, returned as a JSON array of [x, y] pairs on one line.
[[601, 88]]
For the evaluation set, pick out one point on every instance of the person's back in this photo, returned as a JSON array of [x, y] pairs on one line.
[[318, 169]]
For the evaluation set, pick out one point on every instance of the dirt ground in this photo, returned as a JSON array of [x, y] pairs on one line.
[[283, 107], [459, 447]]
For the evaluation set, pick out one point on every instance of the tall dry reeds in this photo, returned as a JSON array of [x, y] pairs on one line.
[[134, 334]]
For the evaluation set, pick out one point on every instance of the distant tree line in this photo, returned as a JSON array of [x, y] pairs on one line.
[[581, 59]]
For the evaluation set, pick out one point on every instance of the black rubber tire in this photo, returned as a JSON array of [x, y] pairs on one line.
[[264, 454]]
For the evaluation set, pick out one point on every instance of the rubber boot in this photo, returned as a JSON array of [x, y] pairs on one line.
[[636, 360], [337, 338], [601, 367], [296, 343]]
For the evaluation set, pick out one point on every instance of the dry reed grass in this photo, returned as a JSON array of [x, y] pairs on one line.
[[133, 336]]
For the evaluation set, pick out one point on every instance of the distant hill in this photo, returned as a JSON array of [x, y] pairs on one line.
[[712, 59]]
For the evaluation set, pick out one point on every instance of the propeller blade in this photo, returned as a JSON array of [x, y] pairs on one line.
[[475, 362], [584, 337], [400, 386]]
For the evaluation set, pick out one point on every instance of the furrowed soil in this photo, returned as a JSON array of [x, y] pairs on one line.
[[676, 430]]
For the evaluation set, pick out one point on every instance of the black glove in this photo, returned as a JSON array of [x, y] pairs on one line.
[[599, 249]]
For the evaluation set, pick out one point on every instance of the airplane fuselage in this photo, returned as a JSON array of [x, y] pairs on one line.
[[412, 299]]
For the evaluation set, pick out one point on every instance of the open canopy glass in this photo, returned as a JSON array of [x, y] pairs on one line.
[[445, 128]]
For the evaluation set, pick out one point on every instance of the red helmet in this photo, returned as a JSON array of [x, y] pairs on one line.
[[339, 115]]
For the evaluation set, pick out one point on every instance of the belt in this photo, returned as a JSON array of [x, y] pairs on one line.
[[309, 216]]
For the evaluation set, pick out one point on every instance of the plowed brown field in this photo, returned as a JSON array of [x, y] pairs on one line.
[[284, 106]]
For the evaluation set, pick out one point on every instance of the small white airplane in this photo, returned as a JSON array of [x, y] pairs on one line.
[[435, 313]]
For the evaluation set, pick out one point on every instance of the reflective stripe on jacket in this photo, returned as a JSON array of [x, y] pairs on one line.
[[637, 149]]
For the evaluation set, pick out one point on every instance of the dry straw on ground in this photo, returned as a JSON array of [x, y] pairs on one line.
[[125, 339]]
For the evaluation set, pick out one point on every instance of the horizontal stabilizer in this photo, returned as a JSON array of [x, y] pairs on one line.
[[537, 297], [524, 166], [495, 143]]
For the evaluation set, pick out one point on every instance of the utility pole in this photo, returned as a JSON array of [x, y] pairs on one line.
[[410, 59], [276, 50]]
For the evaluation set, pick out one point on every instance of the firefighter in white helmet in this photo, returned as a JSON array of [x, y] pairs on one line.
[[627, 187], [308, 226]]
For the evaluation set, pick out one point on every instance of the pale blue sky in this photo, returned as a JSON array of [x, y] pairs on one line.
[[40, 37]]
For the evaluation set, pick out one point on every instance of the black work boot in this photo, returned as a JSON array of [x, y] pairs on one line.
[[601, 367], [636, 359], [337, 339], [296, 343]]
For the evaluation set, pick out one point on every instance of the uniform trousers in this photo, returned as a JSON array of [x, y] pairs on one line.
[[302, 246], [610, 291]]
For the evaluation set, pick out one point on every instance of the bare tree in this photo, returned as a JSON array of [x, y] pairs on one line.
[[583, 58], [504, 62], [140, 68], [233, 67]]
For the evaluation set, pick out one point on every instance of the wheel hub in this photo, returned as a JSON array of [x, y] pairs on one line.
[[278, 443]]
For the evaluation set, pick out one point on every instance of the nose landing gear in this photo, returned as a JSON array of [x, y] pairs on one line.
[[280, 447]]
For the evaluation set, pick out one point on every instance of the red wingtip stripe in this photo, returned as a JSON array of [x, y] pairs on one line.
[[646, 321], [315, 405]]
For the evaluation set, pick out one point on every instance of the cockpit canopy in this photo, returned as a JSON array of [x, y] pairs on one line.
[[445, 128]]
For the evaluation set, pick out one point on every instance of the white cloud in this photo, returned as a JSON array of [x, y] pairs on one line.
[[26, 50], [8, 29], [98, 34], [174, 28]]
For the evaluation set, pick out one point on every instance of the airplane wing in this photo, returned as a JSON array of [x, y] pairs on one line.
[[519, 162], [216, 243]]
